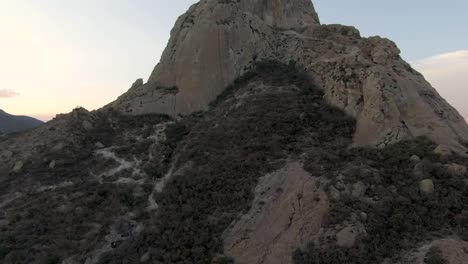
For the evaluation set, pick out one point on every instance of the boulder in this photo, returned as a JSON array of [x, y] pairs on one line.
[[18, 167], [58, 147], [363, 217], [87, 125], [52, 165], [455, 170], [146, 257], [358, 189], [422, 169], [347, 237], [334, 194], [443, 150], [426, 186]]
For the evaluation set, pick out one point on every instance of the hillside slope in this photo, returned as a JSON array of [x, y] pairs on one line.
[[215, 42], [266, 175], [262, 137], [10, 123]]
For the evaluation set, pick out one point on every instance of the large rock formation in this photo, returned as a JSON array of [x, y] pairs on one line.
[[279, 222], [216, 41], [266, 174], [211, 45]]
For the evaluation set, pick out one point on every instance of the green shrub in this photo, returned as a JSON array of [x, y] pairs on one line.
[[52, 260], [3, 252], [230, 147], [400, 219]]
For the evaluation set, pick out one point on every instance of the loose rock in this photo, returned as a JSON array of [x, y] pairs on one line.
[[443, 150], [346, 238], [334, 193], [455, 170], [359, 189], [415, 158], [363, 217], [52, 164], [18, 166], [426, 186]]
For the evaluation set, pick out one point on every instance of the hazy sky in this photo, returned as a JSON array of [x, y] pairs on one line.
[[59, 54]]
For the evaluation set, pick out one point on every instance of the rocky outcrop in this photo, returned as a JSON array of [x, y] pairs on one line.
[[216, 41], [287, 212], [450, 250], [348, 236], [456, 170], [56, 135], [426, 186], [210, 46]]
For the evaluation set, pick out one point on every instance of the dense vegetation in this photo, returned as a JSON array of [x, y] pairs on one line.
[[269, 115], [401, 216], [230, 147], [49, 225]]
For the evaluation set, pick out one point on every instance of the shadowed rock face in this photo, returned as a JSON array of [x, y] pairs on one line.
[[210, 46], [216, 41]]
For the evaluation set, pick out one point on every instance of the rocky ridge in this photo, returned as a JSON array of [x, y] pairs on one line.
[[217, 41], [200, 189]]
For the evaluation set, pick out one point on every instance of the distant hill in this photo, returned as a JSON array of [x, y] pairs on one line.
[[11, 123]]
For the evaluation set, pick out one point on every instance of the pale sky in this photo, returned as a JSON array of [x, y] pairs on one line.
[[59, 54]]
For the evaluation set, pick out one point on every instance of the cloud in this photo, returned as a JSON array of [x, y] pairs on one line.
[[448, 73], [6, 93]]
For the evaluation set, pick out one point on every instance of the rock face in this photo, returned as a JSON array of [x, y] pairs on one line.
[[452, 251], [288, 211], [216, 41], [211, 45]]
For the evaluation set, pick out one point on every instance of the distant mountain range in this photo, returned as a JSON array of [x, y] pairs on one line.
[[11, 123]]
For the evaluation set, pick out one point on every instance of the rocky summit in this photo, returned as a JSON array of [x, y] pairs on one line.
[[261, 137], [215, 42]]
